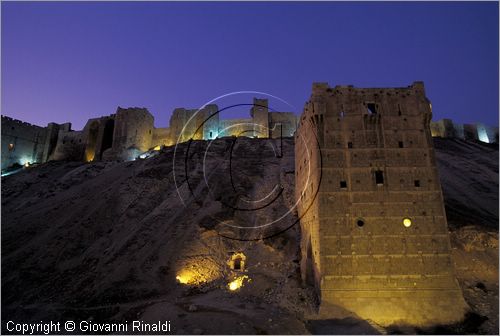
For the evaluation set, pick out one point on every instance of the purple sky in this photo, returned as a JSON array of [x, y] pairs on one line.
[[73, 61]]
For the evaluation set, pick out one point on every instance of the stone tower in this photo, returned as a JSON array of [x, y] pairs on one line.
[[260, 116], [374, 233]]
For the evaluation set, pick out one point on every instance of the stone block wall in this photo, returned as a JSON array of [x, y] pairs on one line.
[[282, 124], [446, 128], [21, 142], [162, 137], [70, 146], [375, 239], [260, 115], [132, 134], [236, 127]]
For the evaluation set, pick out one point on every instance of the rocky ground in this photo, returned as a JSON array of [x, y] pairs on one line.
[[109, 241]]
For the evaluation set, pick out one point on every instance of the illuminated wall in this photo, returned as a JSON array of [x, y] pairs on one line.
[[21, 142], [375, 239], [446, 128]]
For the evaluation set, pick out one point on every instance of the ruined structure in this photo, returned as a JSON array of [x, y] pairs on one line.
[[374, 233], [446, 128], [24, 143], [130, 132]]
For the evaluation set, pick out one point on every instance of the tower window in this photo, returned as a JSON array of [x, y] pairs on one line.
[[11, 146], [417, 183], [343, 184], [360, 222], [349, 145], [210, 135], [372, 108], [379, 177], [400, 143]]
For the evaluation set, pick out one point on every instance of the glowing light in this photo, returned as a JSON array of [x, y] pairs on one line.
[[237, 283], [183, 279], [188, 277], [407, 222], [482, 134], [89, 155], [27, 164], [157, 148]]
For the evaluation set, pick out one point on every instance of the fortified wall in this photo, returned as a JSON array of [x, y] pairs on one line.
[[130, 132], [446, 128], [374, 232], [24, 143]]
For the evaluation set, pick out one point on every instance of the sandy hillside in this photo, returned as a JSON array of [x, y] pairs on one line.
[[106, 241]]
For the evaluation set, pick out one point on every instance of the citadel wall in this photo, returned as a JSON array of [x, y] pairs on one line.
[[282, 124], [129, 132], [21, 142], [374, 232], [446, 128], [236, 127], [70, 146]]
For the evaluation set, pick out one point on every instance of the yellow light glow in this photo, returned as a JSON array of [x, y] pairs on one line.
[[157, 148], [89, 155], [183, 279], [187, 277], [407, 222], [237, 283], [27, 164]]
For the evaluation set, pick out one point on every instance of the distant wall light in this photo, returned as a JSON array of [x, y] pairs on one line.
[[482, 135], [407, 222]]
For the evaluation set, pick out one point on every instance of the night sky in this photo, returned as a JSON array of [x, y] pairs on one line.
[[73, 61]]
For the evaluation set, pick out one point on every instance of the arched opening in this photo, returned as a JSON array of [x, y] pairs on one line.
[[237, 261]]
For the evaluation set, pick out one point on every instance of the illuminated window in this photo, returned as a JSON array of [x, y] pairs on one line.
[[407, 222], [11, 146]]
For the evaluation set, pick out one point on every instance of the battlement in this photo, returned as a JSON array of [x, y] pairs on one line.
[[323, 89], [13, 121]]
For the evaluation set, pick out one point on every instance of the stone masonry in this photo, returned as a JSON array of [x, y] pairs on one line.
[[130, 132], [374, 232]]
